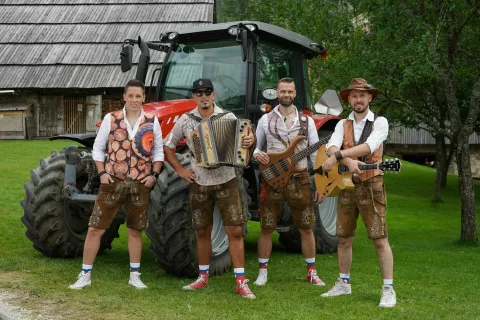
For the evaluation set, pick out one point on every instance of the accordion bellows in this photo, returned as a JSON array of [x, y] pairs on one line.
[[218, 142]]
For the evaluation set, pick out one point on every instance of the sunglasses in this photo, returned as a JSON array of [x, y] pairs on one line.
[[200, 93]]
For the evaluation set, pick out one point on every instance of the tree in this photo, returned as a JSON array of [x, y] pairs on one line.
[[423, 55]]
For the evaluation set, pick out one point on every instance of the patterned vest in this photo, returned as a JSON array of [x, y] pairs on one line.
[[129, 157], [349, 142], [281, 137]]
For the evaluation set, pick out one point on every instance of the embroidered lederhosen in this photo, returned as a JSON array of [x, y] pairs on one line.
[[129, 157], [368, 198]]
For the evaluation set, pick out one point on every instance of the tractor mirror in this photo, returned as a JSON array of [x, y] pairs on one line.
[[126, 57], [244, 37], [329, 103]]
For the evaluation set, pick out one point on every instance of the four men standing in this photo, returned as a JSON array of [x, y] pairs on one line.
[[133, 164]]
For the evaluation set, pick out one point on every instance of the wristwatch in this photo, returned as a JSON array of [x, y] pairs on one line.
[[155, 175]]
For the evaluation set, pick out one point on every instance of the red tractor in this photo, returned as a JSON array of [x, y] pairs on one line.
[[244, 60]]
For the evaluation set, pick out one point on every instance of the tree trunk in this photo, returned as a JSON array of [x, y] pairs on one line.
[[441, 165], [467, 192], [451, 152]]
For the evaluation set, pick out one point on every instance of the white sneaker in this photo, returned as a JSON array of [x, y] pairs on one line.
[[340, 288], [389, 298], [83, 280], [262, 277], [135, 281]]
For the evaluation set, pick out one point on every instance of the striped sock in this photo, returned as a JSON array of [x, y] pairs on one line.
[[310, 263], [388, 282], [239, 273], [263, 263], [345, 277], [86, 268], [134, 267], [204, 269]]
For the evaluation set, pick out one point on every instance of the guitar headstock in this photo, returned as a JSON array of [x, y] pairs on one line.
[[390, 165]]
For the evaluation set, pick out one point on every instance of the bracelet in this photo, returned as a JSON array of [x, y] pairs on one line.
[[101, 173], [338, 155]]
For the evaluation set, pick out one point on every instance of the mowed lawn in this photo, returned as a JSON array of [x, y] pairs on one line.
[[435, 277]]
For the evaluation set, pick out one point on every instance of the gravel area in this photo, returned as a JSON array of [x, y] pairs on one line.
[[10, 312]]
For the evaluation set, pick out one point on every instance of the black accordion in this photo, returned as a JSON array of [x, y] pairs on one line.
[[218, 142]]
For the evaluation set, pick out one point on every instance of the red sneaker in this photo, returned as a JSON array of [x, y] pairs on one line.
[[202, 281], [313, 278], [244, 290]]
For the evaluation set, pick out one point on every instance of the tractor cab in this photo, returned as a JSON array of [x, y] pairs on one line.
[[244, 60]]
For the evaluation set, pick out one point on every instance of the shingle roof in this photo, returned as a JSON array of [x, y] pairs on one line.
[[76, 44]]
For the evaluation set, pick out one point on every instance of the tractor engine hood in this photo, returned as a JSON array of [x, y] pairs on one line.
[[168, 112]]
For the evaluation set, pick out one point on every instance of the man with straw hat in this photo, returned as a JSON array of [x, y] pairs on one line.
[[357, 139]]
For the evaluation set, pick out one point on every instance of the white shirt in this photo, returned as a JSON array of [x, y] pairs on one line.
[[98, 152], [183, 129], [274, 145], [376, 138]]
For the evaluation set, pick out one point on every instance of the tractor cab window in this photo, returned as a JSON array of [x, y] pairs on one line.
[[274, 63], [218, 61]]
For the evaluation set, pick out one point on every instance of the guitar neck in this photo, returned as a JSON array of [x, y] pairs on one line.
[[311, 149], [374, 166]]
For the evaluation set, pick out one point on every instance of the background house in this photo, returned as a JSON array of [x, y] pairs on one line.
[[61, 58]]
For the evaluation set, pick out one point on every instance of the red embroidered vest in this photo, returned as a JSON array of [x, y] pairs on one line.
[[349, 142], [129, 157]]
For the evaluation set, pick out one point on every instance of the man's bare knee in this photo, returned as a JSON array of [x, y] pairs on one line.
[[95, 233], [204, 232], [381, 244], [234, 231], [345, 242], [134, 233]]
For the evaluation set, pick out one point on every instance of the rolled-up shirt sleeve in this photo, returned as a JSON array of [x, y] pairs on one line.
[[312, 137], [378, 135], [98, 152], [175, 135], [260, 135], [337, 136], [158, 142]]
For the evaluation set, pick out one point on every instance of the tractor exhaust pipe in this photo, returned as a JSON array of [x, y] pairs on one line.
[[143, 61]]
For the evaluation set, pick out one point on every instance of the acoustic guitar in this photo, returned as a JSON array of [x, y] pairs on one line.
[[330, 183], [283, 164]]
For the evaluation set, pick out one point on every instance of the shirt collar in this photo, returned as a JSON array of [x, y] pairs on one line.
[[370, 116], [142, 114], [277, 111], [216, 110]]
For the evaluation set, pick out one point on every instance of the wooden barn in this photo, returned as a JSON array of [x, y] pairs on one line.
[[60, 59]]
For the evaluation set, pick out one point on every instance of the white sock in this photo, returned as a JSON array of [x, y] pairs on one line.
[[388, 282], [263, 263], [345, 277], [239, 272], [87, 267], [134, 267]]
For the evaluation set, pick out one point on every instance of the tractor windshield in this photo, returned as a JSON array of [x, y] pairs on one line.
[[276, 62], [219, 61]]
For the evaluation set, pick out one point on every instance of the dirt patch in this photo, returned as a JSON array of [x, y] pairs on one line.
[[17, 303]]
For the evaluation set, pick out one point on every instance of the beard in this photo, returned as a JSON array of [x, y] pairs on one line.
[[285, 102], [360, 109]]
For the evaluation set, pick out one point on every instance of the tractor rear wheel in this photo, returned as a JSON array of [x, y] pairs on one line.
[[56, 226]]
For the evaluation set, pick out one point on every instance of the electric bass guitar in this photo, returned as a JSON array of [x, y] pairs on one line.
[[330, 183], [283, 164]]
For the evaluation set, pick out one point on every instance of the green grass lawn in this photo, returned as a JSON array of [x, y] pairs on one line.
[[435, 277]]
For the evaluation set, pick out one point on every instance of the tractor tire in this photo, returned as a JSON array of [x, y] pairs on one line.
[[326, 240], [173, 239], [56, 226]]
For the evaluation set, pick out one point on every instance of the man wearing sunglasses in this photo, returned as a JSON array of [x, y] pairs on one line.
[[209, 187]]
